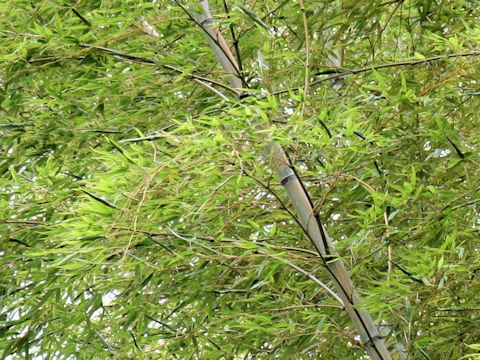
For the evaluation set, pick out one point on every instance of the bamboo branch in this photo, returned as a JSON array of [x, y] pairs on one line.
[[211, 88], [338, 73], [81, 17], [266, 16], [310, 223], [203, 81], [197, 78], [150, 30], [308, 275], [235, 39]]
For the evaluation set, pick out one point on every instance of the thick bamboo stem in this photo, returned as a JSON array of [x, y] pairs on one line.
[[310, 222], [361, 319], [220, 47]]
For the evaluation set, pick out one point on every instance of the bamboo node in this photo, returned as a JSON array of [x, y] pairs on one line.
[[286, 179]]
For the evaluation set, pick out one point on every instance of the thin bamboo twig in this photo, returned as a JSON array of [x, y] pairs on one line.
[[308, 275], [211, 88], [314, 229]]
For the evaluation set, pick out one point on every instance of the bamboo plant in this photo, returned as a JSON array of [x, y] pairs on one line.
[[308, 219]]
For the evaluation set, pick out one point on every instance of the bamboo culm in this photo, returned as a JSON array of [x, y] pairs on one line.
[[306, 216]]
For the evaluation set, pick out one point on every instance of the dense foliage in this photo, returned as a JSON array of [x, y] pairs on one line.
[[140, 219]]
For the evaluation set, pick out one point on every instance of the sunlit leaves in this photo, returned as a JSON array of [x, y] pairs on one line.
[[139, 217]]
